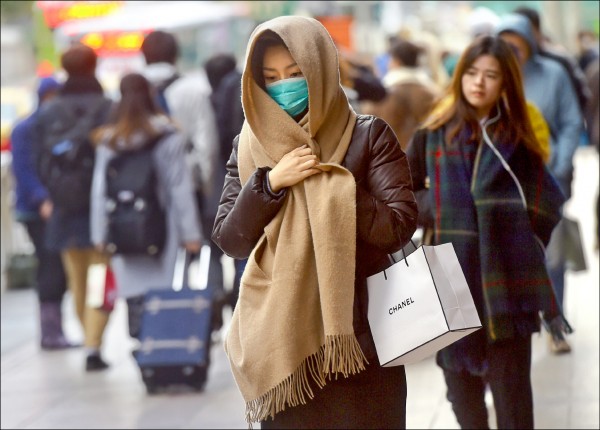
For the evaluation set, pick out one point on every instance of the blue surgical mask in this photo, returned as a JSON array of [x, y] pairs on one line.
[[290, 94]]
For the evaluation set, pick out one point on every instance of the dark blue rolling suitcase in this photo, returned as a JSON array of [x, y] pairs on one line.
[[175, 332]]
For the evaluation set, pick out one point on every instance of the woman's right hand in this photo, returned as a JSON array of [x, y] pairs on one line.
[[192, 247], [45, 209], [294, 167]]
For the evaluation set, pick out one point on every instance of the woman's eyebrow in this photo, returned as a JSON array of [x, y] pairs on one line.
[[484, 69], [286, 67]]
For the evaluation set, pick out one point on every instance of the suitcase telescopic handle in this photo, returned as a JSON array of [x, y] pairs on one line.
[[197, 275], [201, 273]]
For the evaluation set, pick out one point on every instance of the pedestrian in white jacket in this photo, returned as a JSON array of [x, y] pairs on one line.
[[188, 101]]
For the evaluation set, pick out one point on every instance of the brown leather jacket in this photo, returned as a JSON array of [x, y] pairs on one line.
[[385, 205]]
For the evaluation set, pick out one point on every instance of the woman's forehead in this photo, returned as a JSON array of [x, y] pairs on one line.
[[278, 56]]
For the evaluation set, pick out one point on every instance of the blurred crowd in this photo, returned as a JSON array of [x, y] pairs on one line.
[[81, 209]]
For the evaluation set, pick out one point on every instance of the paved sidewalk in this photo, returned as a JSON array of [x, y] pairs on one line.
[[50, 390]]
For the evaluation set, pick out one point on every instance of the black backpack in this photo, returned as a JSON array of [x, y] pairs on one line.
[[65, 161], [136, 219]]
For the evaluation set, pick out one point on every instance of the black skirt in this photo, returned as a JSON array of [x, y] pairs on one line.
[[374, 398]]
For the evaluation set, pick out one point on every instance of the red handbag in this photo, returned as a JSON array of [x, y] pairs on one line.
[[101, 287]]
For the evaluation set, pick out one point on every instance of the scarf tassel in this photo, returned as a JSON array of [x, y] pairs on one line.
[[340, 354]]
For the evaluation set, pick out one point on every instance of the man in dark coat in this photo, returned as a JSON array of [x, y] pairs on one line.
[[68, 231], [32, 208]]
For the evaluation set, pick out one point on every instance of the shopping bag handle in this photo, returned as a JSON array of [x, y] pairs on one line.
[[391, 257]]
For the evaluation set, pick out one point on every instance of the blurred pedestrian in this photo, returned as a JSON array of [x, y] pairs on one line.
[[489, 193], [431, 56], [592, 113], [136, 122], [548, 86], [546, 50], [187, 99], [382, 61], [65, 165], [225, 80], [588, 48], [316, 197], [359, 82], [593, 123], [410, 92], [33, 208], [482, 21]]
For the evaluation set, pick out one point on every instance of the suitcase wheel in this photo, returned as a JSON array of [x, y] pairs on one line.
[[151, 389], [198, 386]]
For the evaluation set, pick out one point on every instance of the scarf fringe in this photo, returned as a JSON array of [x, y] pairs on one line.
[[340, 354]]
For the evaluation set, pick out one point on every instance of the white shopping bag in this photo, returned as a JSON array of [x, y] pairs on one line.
[[420, 305], [101, 289]]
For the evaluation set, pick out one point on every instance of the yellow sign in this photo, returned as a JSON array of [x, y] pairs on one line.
[[57, 12]]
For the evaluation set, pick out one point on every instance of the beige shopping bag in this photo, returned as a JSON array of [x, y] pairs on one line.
[[420, 305]]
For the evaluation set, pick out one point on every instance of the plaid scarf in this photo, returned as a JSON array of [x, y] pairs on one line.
[[479, 209]]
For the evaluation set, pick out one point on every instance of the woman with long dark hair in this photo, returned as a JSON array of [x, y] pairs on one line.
[[136, 122], [481, 182]]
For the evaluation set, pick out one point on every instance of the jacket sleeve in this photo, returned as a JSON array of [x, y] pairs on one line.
[[176, 178], [386, 206], [23, 164], [244, 211], [189, 102], [415, 153], [542, 192], [37, 131], [98, 221], [568, 125]]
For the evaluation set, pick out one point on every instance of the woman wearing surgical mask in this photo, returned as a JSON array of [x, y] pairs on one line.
[[315, 197]]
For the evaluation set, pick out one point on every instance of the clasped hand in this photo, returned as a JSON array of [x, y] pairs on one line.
[[294, 167]]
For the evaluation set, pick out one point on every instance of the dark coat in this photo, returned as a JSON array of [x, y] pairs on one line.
[[386, 220], [66, 230], [29, 191]]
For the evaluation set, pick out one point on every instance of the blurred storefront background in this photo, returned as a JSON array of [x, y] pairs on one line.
[[33, 33]]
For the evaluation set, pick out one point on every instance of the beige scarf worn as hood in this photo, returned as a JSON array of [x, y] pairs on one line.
[[293, 320]]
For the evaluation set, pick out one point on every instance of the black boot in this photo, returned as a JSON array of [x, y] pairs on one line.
[[94, 362], [52, 336]]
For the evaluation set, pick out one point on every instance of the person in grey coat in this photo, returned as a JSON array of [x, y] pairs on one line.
[[548, 86], [139, 121]]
